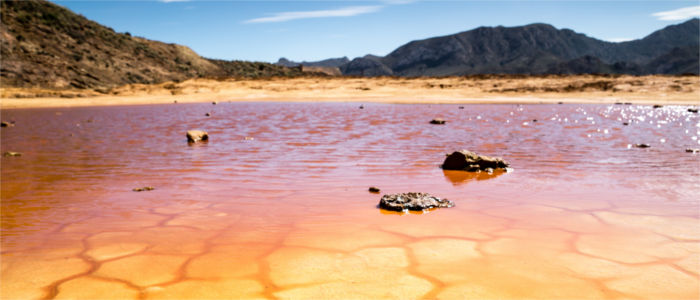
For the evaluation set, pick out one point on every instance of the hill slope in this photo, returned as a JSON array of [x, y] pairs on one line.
[[46, 45], [535, 49]]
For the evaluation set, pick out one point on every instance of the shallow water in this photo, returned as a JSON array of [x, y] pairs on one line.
[[275, 205]]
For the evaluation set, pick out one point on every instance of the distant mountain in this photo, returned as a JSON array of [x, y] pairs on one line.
[[331, 62], [537, 49], [46, 45]]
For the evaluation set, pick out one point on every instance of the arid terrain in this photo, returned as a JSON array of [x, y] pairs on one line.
[[475, 89]]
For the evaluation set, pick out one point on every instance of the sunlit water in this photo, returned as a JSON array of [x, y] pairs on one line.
[[276, 203]]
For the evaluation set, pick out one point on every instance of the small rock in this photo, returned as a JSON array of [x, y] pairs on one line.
[[642, 145], [175, 101], [437, 121], [412, 201], [10, 153], [465, 160], [373, 189], [618, 103], [249, 138], [657, 106], [362, 107], [628, 103], [693, 110], [145, 188], [194, 136], [534, 120], [6, 124], [461, 107], [207, 114], [213, 103], [691, 150], [625, 123], [560, 102]]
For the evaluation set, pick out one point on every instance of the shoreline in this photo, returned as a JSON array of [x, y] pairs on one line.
[[580, 89]]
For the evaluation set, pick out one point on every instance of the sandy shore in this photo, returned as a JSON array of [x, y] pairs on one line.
[[684, 90]]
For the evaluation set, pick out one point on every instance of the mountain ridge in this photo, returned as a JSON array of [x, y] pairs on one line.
[[536, 48]]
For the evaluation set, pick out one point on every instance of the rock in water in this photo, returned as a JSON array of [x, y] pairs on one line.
[[373, 189], [642, 145], [469, 161], [194, 136], [6, 124], [412, 201], [691, 150], [437, 121], [693, 110], [10, 153], [143, 189]]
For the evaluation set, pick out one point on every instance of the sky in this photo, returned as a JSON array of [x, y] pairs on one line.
[[315, 30]]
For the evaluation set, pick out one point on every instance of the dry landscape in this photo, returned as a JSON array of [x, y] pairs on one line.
[[473, 89]]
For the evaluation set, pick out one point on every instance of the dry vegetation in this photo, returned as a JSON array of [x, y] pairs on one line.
[[471, 89]]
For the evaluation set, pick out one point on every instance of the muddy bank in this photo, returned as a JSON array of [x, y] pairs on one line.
[[472, 89]]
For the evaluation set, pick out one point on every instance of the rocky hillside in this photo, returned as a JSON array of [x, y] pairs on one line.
[[537, 49], [45, 45]]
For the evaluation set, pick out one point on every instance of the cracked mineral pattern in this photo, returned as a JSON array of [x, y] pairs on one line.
[[287, 214]]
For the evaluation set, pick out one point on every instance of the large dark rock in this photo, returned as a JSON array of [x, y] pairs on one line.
[[470, 161], [194, 136], [412, 201]]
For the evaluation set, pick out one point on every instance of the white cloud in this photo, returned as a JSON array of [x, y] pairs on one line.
[[678, 14], [296, 15], [618, 40]]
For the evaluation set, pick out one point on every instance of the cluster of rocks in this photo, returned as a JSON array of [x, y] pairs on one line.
[[462, 160]]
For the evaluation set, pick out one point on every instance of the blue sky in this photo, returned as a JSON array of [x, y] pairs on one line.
[[314, 30]]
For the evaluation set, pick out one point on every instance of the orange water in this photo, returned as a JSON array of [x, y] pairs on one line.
[[285, 213]]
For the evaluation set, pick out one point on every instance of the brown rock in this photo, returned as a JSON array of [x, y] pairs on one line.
[[642, 145], [373, 189], [469, 161], [693, 110], [145, 188], [412, 201], [10, 153], [690, 150], [437, 121], [194, 136]]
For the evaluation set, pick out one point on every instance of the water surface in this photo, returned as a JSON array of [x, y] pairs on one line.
[[275, 205]]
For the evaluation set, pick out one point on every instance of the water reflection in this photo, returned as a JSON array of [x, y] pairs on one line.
[[463, 177]]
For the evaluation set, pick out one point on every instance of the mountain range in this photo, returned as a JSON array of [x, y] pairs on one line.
[[537, 49], [46, 45]]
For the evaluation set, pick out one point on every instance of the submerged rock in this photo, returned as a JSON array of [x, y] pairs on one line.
[[412, 201], [194, 136], [373, 189], [437, 121], [469, 161], [145, 188], [642, 145], [207, 115], [10, 153]]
